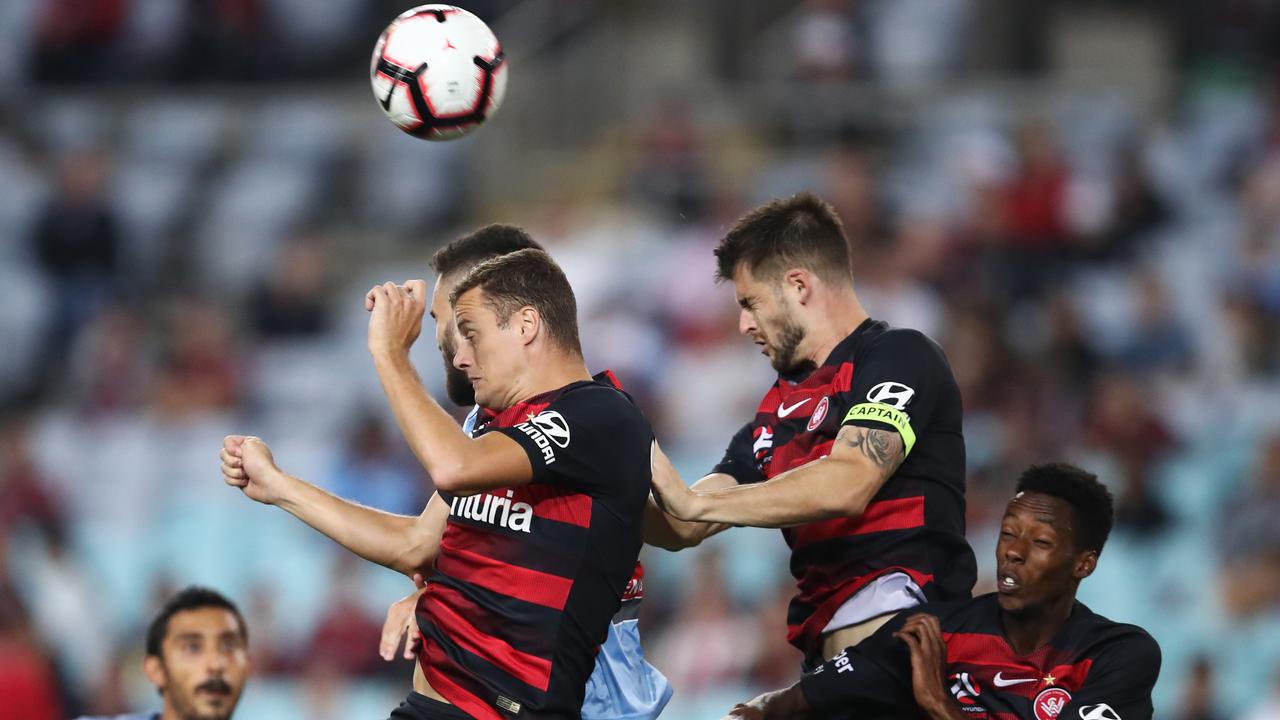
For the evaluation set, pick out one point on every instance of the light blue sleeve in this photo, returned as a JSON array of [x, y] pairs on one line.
[[624, 686]]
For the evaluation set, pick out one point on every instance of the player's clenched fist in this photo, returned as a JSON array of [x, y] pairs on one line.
[[248, 465], [395, 316]]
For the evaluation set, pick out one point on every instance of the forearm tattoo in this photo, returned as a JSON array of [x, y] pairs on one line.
[[882, 447]]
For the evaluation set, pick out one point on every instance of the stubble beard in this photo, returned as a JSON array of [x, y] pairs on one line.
[[786, 360]]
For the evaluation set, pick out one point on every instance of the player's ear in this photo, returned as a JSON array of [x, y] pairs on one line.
[[798, 282], [1086, 563], [530, 323], [153, 668]]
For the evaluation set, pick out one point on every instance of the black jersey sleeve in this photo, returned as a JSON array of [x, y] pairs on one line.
[[870, 679], [1119, 683], [740, 459], [579, 439], [896, 384]]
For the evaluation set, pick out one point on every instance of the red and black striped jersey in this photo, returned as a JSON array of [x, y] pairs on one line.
[[528, 578], [877, 377], [1093, 669]]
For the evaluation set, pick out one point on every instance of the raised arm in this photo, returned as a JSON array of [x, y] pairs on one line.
[[403, 543], [457, 463]]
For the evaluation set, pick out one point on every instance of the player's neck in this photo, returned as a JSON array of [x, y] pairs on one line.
[[1033, 628], [558, 371], [838, 316]]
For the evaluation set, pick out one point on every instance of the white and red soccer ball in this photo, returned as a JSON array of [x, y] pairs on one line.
[[438, 72]]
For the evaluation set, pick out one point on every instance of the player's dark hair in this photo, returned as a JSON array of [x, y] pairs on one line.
[[800, 231], [474, 248], [527, 278], [1092, 508], [193, 597]]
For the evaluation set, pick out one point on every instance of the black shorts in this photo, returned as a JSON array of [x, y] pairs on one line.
[[420, 707]]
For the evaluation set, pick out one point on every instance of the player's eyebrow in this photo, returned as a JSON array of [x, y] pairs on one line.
[[188, 636], [746, 300]]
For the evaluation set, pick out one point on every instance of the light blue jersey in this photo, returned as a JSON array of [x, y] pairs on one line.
[[624, 686]]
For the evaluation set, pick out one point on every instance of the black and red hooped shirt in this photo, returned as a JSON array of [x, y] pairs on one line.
[[528, 578], [877, 377], [1093, 669]]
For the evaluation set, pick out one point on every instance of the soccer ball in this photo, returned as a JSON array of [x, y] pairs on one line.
[[438, 72]]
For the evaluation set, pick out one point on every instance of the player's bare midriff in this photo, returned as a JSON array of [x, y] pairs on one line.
[[422, 687]]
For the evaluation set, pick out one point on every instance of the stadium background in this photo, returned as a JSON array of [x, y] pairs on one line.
[[1079, 200]]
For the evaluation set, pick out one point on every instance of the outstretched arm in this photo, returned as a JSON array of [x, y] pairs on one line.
[[839, 485], [669, 532], [403, 543]]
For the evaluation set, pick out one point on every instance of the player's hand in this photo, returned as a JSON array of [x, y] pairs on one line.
[[786, 704], [395, 319], [248, 465], [923, 635], [745, 711], [402, 624], [669, 491]]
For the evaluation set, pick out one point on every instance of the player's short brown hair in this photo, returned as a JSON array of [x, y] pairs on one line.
[[471, 249], [800, 231], [527, 278]]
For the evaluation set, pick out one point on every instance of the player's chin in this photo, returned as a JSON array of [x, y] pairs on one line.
[[215, 707], [1011, 602]]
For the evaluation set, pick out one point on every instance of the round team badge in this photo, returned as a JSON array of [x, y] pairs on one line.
[[819, 414], [1050, 702]]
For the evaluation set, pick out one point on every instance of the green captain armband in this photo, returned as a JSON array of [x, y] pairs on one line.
[[888, 415]]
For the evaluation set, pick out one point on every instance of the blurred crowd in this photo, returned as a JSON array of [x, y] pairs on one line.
[[1104, 278]]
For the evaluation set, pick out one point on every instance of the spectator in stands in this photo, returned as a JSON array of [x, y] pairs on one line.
[[28, 685], [373, 469], [1140, 511], [1198, 700], [25, 495], [1159, 340], [671, 163], [76, 245], [292, 302], [109, 363], [1251, 540], [825, 42], [708, 642], [199, 367], [1035, 238], [339, 646], [77, 39]]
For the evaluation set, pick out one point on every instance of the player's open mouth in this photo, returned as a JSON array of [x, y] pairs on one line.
[[1006, 583]]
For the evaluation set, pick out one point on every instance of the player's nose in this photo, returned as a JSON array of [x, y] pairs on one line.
[[462, 357], [1013, 551], [746, 323]]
